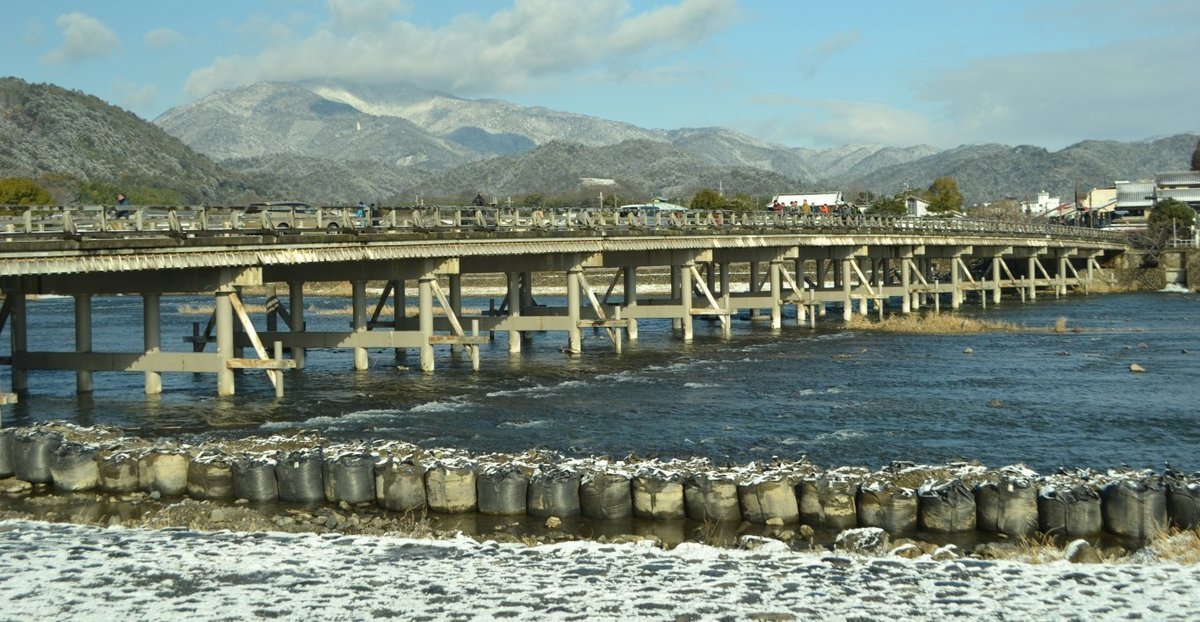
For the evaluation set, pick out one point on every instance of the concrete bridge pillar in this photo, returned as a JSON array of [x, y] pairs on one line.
[[1060, 279], [996, 271], [152, 337], [223, 310], [906, 298], [456, 303], [399, 304], [19, 338], [842, 276], [83, 339], [574, 335], [676, 293], [296, 310], [863, 301], [775, 274], [526, 290], [1031, 276], [425, 320], [631, 299], [956, 294], [685, 301], [514, 310], [801, 310], [358, 302], [725, 295]]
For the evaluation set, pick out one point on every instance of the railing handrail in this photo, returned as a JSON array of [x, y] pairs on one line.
[[157, 220]]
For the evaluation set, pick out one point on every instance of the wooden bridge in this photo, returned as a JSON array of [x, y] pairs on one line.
[[720, 264]]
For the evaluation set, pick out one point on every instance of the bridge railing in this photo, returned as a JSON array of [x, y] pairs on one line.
[[196, 221]]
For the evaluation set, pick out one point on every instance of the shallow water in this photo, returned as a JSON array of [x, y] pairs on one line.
[[838, 396]]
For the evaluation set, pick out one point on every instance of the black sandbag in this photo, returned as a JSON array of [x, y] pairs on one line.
[[6, 452], [300, 476], [711, 497], [399, 485], [349, 477], [554, 492], [450, 487], [254, 478], [1072, 512], [32, 450], [210, 476], [826, 502], [948, 507], [1183, 501], [1134, 508], [605, 495], [889, 507], [500, 489], [119, 472], [658, 495], [766, 498], [1008, 506], [73, 467]]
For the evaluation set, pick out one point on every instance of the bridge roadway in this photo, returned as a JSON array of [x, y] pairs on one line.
[[806, 261]]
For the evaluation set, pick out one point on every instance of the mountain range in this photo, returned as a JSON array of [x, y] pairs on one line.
[[336, 142]]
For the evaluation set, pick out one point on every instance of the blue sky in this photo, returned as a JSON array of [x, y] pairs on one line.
[[797, 73]]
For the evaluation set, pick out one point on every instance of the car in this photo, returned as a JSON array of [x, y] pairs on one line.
[[656, 207]]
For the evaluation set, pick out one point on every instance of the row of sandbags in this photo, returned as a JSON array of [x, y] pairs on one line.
[[1135, 505]]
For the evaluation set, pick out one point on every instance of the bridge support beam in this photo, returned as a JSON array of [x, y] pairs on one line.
[[18, 326], [456, 303], [425, 319], [685, 301], [223, 312], [358, 323], [296, 311], [152, 337], [631, 300], [1031, 276], [513, 292], [574, 335], [83, 339]]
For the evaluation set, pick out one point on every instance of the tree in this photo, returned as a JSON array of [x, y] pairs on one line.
[[943, 196], [739, 203], [889, 206], [22, 191], [1173, 215], [706, 199], [1196, 157]]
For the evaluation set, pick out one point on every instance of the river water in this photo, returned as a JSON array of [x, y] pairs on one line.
[[838, 396]]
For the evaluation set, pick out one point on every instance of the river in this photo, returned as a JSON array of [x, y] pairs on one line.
[[837, 395]]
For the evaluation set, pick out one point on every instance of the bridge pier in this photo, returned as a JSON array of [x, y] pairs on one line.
[[513, 293], [296, 319], [574, 335], [83, 339], [18, 326], [631, 301], [425, 320], [152, 337], [223, 311], [685, 300], [358, 321]]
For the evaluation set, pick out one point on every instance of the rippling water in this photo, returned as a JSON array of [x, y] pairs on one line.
[[838, 396]]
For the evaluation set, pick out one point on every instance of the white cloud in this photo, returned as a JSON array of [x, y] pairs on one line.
[[33, 32], [1125, 91], [84, 37], [823, 51], [508, 50], [133, 97], [821, 122], [163, 37]]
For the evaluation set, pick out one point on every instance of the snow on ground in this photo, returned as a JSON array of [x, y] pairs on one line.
[[71, 572]]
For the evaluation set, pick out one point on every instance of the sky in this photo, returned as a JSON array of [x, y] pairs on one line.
[[794, 72]]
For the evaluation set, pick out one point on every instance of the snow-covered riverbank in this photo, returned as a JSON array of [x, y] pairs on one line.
[[58, 571]]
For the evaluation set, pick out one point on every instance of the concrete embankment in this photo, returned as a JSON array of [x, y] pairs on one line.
[[793, 497]]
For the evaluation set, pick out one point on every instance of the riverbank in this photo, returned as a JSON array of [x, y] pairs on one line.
[[68, 571]]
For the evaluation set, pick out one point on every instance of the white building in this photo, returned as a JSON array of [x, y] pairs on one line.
[[916, 207]]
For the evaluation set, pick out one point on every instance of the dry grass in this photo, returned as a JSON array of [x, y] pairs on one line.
[[1177, 545], [935, 324]]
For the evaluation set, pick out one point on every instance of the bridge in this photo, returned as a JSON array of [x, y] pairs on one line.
[[720, 265]]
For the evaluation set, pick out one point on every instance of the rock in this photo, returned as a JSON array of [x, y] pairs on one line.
[[330, 522], [343, 505], [864, 540], [155, 495], [806, 531], [1081, 552], [753, 543], [995, 403], [218, 515], [907, 551], [968, 351], [947, 552], [114, 521], [1136, 369], [775, 521], [14, 486], [553, 522]]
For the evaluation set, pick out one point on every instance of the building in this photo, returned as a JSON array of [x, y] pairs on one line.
[[916, 207], [1183, 186], [1135, 199]]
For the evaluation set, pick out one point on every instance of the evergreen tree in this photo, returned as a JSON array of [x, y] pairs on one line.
[[1196, 157], [22, 191], [943, 196]]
